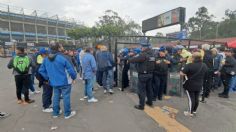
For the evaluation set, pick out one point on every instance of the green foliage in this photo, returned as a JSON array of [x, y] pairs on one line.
[[201, 26], [110, 24]]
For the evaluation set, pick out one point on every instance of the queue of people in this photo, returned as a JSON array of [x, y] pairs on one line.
[[56, 69]]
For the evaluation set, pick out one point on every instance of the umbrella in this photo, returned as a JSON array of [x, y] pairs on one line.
[[232, 44]]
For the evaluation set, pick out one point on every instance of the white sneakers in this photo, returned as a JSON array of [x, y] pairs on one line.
[[85, 97], [92, 100], [72, 113], [105, 91], [111, 91], [48, 110], [35, 92], [187, 113]]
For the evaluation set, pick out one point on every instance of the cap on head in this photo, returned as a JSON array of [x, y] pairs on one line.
[[137, 50], [43, 51], [162, 49], [144, 42]]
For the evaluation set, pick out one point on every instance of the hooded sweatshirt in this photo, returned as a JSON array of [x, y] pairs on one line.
[[58, 70]]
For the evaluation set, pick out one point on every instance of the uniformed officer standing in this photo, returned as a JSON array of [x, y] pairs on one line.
[[160, 74], [145, 66]]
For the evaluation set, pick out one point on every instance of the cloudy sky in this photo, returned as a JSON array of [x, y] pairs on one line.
[[88, 11]]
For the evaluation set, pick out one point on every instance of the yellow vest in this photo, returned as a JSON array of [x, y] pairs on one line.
[[39, 59]]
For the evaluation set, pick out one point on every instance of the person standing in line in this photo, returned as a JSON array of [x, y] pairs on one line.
[[60, 74], [106, 63], [89, 74], [195, 73], [22, 66], [47, 89], [217, 65], [228, 74], [208, 83]]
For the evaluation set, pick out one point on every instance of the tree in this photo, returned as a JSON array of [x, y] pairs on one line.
[[201, 25], [227, 27]]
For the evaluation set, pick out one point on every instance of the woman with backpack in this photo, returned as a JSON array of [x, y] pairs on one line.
[[22, 65]]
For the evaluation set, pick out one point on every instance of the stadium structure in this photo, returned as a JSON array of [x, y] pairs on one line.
[[25, 25]]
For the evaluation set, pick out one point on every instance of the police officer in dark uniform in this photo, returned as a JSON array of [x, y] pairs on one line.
[[145, 66], [125, 68], [160, 74]]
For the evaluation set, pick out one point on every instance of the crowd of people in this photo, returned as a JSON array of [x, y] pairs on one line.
[[203, 70], [56, 69]]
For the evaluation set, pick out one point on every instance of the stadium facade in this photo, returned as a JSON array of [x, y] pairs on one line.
[[25, 25]]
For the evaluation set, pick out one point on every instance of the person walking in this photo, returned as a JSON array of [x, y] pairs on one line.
[[194, 72], [89, 74], [60, 74], [22, 65]]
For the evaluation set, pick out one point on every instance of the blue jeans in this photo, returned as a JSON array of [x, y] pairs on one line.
[[107, 79], [47, 96], [88, 90], [31, 86], [65, 91], [232, 86]]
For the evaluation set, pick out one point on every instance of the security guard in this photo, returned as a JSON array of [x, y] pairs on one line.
[[161, 74], [145, 66]]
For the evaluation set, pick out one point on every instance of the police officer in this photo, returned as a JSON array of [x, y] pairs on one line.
[[145, 66], [160, 74], [124, 56]]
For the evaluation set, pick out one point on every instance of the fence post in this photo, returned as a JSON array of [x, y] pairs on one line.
[[116, 75]]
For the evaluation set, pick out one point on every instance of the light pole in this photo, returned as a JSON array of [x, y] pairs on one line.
[[217, 28]]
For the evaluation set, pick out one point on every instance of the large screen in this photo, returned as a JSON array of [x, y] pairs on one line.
[[175, 16]]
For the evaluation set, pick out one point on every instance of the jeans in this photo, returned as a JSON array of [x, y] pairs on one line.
[[65, 91], [232, 86], [107, 81], [99, 77], [22, 86], [88, 90], [31, 86], [47, 96]]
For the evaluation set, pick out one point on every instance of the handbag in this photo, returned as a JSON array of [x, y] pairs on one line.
[[187, 79]]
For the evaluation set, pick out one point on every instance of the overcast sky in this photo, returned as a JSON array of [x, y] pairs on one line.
[[88, 11]]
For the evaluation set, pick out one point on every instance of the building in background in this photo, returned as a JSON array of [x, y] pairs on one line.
[[25, 25]]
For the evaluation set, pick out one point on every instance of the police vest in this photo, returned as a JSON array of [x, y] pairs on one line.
[[148, 65]]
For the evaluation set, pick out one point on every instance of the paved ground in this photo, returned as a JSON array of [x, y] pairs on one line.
[[113, 113]]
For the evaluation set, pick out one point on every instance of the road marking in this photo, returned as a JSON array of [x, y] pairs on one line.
[[170, 124]]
